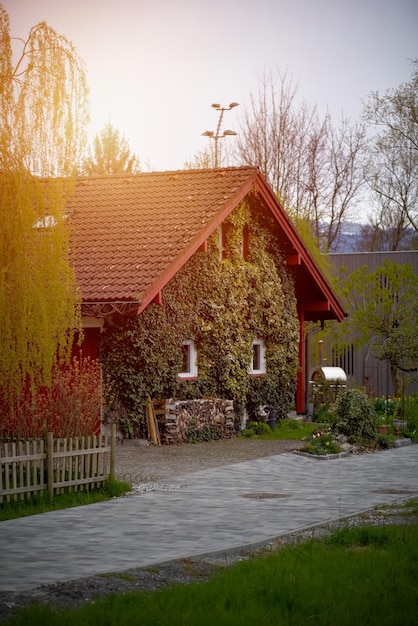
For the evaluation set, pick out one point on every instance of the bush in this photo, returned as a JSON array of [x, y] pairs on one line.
[[354, 416], [321, 413], [256, 428], [290, 423], [411, 417], [388, 408], [323, 444], [411, 433], [69, 407]]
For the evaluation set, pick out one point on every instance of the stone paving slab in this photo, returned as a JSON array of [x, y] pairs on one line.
[[213, 510]]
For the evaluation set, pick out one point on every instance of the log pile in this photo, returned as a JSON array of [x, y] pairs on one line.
[[178, 419]]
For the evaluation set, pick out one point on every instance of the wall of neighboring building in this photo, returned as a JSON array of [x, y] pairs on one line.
[[353, 260], [361, 367]]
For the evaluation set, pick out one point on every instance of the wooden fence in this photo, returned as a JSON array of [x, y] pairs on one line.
[[55, 465]]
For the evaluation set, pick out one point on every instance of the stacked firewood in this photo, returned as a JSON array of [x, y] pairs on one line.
[[180, 421]]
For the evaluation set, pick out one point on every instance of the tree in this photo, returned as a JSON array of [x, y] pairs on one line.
[[43, 109], [44, 105], [201, 160], [385, 231], [273, 135], [111, 154], [383, 312], [335, 177], [314, 168], [392, 174]]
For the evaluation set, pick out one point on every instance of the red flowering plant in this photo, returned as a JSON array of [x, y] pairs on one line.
[[69, 407]]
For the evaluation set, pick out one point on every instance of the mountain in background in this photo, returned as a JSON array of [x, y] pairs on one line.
[[352, 239]]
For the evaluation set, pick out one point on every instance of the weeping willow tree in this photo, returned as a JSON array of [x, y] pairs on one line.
[[43, 120]]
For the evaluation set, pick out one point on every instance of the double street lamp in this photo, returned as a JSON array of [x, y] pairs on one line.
[[217, 135]]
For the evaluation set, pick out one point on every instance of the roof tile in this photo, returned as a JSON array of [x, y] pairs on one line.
[[129, 228]]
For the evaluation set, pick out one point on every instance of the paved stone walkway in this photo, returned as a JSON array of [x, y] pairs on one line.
[[217, 509]]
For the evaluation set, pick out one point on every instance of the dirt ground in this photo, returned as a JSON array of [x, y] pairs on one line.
[[138, 463]]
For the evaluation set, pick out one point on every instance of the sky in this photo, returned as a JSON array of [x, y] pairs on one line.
[[154, 67]]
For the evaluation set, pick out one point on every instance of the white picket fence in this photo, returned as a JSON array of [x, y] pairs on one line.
[[55, 465]]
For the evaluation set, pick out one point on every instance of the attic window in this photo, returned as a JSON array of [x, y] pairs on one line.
[[223, 231], [258, 363], [49, 221], [189, 367]]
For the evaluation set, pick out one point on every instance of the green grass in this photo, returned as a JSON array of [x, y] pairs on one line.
[[365, 575], [43, 504], [286, 429], [411, 507]]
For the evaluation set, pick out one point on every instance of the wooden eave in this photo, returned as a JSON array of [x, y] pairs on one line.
[[199, 241], [318, 302]]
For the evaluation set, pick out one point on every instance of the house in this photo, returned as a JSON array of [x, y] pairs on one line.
[[361, 367], [134, 235]]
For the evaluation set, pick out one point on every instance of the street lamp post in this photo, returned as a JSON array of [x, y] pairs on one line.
[[217, 134]]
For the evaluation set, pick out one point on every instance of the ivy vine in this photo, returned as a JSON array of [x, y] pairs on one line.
[[223, 306]]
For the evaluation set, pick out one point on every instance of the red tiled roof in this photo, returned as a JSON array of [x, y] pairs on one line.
[[130, 228], [132, 233]]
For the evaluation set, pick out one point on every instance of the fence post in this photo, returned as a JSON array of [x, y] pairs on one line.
[[50, 463], [112, 451]]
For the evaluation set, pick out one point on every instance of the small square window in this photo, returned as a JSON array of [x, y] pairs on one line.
[[258, 363], [189, 367]]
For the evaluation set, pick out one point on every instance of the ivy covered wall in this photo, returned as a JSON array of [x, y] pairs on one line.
[[223, 305]]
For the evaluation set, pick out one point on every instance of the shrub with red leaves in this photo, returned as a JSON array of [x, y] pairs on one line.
[[69, 407]]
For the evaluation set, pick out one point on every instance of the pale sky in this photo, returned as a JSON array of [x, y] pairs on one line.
[[155, 66]]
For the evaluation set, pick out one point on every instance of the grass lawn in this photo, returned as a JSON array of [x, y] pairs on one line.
[[43, 503], [363, 575], [285, 429]]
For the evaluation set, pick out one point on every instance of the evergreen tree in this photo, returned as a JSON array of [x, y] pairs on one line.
[[111, 154]]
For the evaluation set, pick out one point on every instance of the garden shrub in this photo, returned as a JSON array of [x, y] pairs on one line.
[[256, 428], [383, 442], [354, 416], [411, 417], [322, 413], [322, 444], [290, 423], [68, 407]]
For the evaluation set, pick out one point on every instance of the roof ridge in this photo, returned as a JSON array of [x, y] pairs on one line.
[[192, 171]]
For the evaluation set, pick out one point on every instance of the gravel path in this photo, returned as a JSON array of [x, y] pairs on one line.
[[137, 462]]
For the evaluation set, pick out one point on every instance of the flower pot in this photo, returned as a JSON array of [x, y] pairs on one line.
[[383, 429]]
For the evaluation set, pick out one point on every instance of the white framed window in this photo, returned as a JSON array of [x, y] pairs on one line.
[[258, 362], [189, 366]]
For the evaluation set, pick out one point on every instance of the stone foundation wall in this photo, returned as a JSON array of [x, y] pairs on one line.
[[178, 419]]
